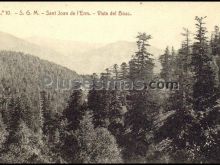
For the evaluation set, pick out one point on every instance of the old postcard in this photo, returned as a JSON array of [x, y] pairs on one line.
[[109, 82]]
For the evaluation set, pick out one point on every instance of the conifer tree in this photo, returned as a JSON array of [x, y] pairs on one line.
[[3, 132], [75, 109], [28, 114], [115, 71], [72, 116], [141, 106], [190, 139], [204, 92], [214, 43], [165, 60], [116, 116], [99, 99], [124, 71], [141, 64]]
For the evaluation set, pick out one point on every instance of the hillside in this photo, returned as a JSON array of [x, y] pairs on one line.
[[27, 74], [115, 53], [87, 58], [13, 43], [82, 57], [64, 46]]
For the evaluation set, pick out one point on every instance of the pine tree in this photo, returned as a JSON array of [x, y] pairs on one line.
[[86, 137], [99, 99], [215, 51], [49, 118], [165, 60], [214, 43], [139, 122], [3, 132], [193, 136], [124, 77], [173, 64], [141, 105], [116, 116], [204, 95], [28, 114], [75, 109], [182, 68], [72, 116], [106, 105], [183, 135], [20, 144], [17, 120], [5, 99], [185, 53], [141, 64], [16, 115], [124, 71], [115, 72]]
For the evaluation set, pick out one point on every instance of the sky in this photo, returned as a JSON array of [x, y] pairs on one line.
[[162, 20]]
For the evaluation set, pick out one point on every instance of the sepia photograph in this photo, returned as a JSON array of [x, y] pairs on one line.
[[109, 82]]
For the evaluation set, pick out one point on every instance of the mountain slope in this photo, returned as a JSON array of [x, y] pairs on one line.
[[88, 58], [115, 53], [84, 58], [67, 47], [12, 43], [22, 73]]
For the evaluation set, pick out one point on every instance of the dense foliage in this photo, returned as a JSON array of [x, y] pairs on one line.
[[114, 125]]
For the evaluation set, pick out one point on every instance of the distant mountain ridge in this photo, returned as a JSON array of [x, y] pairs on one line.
[[82, 57], [90, 58]]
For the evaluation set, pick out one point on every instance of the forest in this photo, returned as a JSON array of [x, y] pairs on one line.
[[46, 125]]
